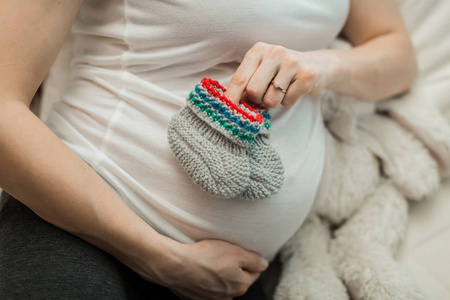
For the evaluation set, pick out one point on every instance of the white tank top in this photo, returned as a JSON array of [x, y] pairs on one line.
[[135, 62]]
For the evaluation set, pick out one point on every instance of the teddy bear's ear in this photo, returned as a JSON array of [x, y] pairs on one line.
[[403, 157]]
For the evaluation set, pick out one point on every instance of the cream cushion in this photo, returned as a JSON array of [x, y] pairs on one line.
[[426, 249], [425, 252]]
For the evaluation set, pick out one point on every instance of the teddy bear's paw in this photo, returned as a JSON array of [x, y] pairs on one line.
[[315, 282], [371, 273], [388, 284]]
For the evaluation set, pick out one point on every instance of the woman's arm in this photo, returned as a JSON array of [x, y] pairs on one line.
[[42, 172], [36, 167], [381, 64]]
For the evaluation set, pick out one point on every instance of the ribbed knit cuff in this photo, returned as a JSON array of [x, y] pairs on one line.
[[208, 102], [257, 109]]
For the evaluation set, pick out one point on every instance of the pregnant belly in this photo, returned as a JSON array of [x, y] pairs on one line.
[[132, 154]]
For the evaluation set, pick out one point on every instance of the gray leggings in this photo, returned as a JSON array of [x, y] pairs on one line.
[[41, 261]]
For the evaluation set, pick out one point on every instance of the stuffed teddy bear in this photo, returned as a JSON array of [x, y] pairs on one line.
[[346, 247]]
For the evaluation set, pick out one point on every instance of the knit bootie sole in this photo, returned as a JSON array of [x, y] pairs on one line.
[[266, 168], [267, 172], [220, 168]]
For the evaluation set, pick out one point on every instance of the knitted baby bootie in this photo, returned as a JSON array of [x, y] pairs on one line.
[[210, 138], [266, 168]]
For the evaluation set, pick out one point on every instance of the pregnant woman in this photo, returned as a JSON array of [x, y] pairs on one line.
[[96, 205]]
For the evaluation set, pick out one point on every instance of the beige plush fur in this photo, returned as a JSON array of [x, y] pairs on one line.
[[378, 156], [347, 246]]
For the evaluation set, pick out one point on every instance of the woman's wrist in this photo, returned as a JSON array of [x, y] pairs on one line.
[[375, 70], [333, 71]]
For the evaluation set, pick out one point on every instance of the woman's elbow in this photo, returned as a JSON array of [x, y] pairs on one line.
[[410, 68], [402, 80]]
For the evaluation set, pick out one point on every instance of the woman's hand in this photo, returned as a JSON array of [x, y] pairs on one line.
[[213, 269], [380, 65], [273, 75]]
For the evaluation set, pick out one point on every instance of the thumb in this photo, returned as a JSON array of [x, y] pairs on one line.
[[253, 262]]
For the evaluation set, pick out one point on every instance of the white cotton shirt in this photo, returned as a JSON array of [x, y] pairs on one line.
[[135, 63]]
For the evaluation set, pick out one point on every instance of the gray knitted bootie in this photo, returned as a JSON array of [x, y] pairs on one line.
[[266, 168], [210, 138]]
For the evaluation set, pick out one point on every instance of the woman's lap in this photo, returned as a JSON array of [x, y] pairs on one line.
[[41, 261]]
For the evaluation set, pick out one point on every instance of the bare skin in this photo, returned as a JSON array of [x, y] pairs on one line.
[[381, 64], [35, 166], [35, 162]]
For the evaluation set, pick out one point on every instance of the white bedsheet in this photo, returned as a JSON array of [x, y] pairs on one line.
[[426, 249]]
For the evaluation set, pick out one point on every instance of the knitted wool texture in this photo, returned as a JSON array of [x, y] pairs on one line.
[[211, 138], [266, 168]]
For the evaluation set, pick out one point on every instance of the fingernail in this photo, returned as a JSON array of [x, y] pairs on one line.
[[264, 263]]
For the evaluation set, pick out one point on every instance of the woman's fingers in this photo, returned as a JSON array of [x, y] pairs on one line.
[[246, 280], [215, 269], [296, 90], [261, 80], [273, 75], [250, 278], [252, 262], [276, 91], [244, 73]]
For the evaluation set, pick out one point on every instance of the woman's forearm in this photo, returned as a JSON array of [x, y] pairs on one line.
[[381, 64], [36, 167], [39, 169], [378, 69], [44, 174]]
